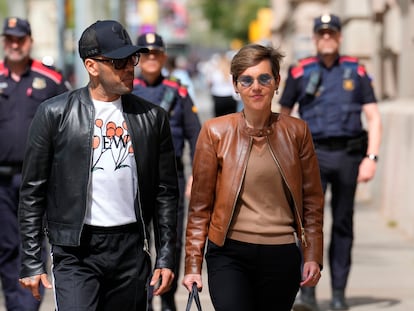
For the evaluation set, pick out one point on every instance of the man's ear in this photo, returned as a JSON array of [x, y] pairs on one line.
[[91, 66]]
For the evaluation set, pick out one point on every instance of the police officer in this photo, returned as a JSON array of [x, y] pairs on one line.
[[332, 92], [185, 125], [24, 84]]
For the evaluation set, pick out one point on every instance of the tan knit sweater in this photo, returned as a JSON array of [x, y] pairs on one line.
[[262, 214]]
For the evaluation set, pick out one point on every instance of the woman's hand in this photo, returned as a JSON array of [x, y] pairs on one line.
[[190, 279], [311, 274]]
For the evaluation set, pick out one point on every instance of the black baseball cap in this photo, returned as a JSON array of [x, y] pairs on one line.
[[107, 38], [152, 41], [327, 21], [15, 26]]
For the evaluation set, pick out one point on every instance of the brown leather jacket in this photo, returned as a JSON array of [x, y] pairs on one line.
[[219, 166]]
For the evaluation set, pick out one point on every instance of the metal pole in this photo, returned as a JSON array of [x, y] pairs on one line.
[[81, 78], [60, 61]]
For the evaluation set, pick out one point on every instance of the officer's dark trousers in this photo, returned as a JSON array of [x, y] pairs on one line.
[[108, 271], [17, 298], [340, 170], [251, 277]]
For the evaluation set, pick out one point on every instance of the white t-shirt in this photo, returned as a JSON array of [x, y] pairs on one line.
[[114, 175]]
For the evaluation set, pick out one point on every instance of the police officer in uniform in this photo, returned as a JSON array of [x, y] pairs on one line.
[[333, 91], [24, 84], [185, 126]]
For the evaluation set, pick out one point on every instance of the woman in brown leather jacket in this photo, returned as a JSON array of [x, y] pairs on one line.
[[256, 198]]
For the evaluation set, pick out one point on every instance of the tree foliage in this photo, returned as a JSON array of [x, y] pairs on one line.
[[232, 17]]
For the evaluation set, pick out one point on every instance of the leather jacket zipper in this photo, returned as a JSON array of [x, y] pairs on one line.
[[299, 219], [239, 187]]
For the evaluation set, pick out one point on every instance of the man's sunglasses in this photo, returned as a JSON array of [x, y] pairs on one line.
[[119, 64], [263, 79]]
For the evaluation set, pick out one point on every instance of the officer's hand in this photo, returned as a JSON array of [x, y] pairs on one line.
[[32, 283], [367, 170]]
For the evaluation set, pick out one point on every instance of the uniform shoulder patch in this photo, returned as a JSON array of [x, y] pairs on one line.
[[175, 84], [353, 63], [3, 69], [361, 70], [138, 81], [303, 64], [38, 67]]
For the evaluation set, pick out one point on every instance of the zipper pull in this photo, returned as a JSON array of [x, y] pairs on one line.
[[146, 247], [304, 237]]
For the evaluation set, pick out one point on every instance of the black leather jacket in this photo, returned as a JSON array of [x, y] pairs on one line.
[[57, 166]]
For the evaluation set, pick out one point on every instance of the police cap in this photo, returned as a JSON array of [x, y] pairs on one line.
[[327, 21], [152, 41], [15, 26]]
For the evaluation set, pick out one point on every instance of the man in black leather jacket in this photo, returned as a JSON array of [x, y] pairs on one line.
[[100, 165]]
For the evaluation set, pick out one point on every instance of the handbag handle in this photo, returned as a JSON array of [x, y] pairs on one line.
[[193, 295]]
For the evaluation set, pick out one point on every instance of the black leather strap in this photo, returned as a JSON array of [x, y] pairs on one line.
[[193, 296]]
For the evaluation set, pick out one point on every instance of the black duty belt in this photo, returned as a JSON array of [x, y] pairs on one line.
[[332, 143]]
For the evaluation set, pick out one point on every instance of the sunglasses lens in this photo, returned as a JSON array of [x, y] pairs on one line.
[[246, 81], [123, 62], [120, 63], [265, 79]]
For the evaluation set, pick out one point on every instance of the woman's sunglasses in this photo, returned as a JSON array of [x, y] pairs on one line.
[[121, 63], [263, 79]]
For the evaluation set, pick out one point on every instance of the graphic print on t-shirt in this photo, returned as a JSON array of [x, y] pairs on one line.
[[113, 139]]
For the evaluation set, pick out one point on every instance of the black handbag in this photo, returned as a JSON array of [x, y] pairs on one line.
[[193, 296]]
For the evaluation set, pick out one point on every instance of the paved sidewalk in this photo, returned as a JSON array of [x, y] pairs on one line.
[[383, 266]]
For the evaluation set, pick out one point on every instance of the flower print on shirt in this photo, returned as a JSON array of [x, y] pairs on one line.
[[114, 140]]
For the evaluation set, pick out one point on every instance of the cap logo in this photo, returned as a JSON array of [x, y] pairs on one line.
[[12, 22], [121, 33], [325, 18], [150, 38]]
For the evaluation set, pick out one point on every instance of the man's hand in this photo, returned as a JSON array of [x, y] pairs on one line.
[[32, 283], [161, 280]]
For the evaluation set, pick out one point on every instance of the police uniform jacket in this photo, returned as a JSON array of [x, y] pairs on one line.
[[174, 98], [18, 104], [57, 168], [220, 160], [330, 99]]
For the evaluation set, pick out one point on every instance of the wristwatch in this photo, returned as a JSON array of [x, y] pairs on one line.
[[372, 157]]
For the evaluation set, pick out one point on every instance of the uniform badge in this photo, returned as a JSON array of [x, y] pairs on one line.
[[150, 37], [39, 83], [3, 86], [348, 85]]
